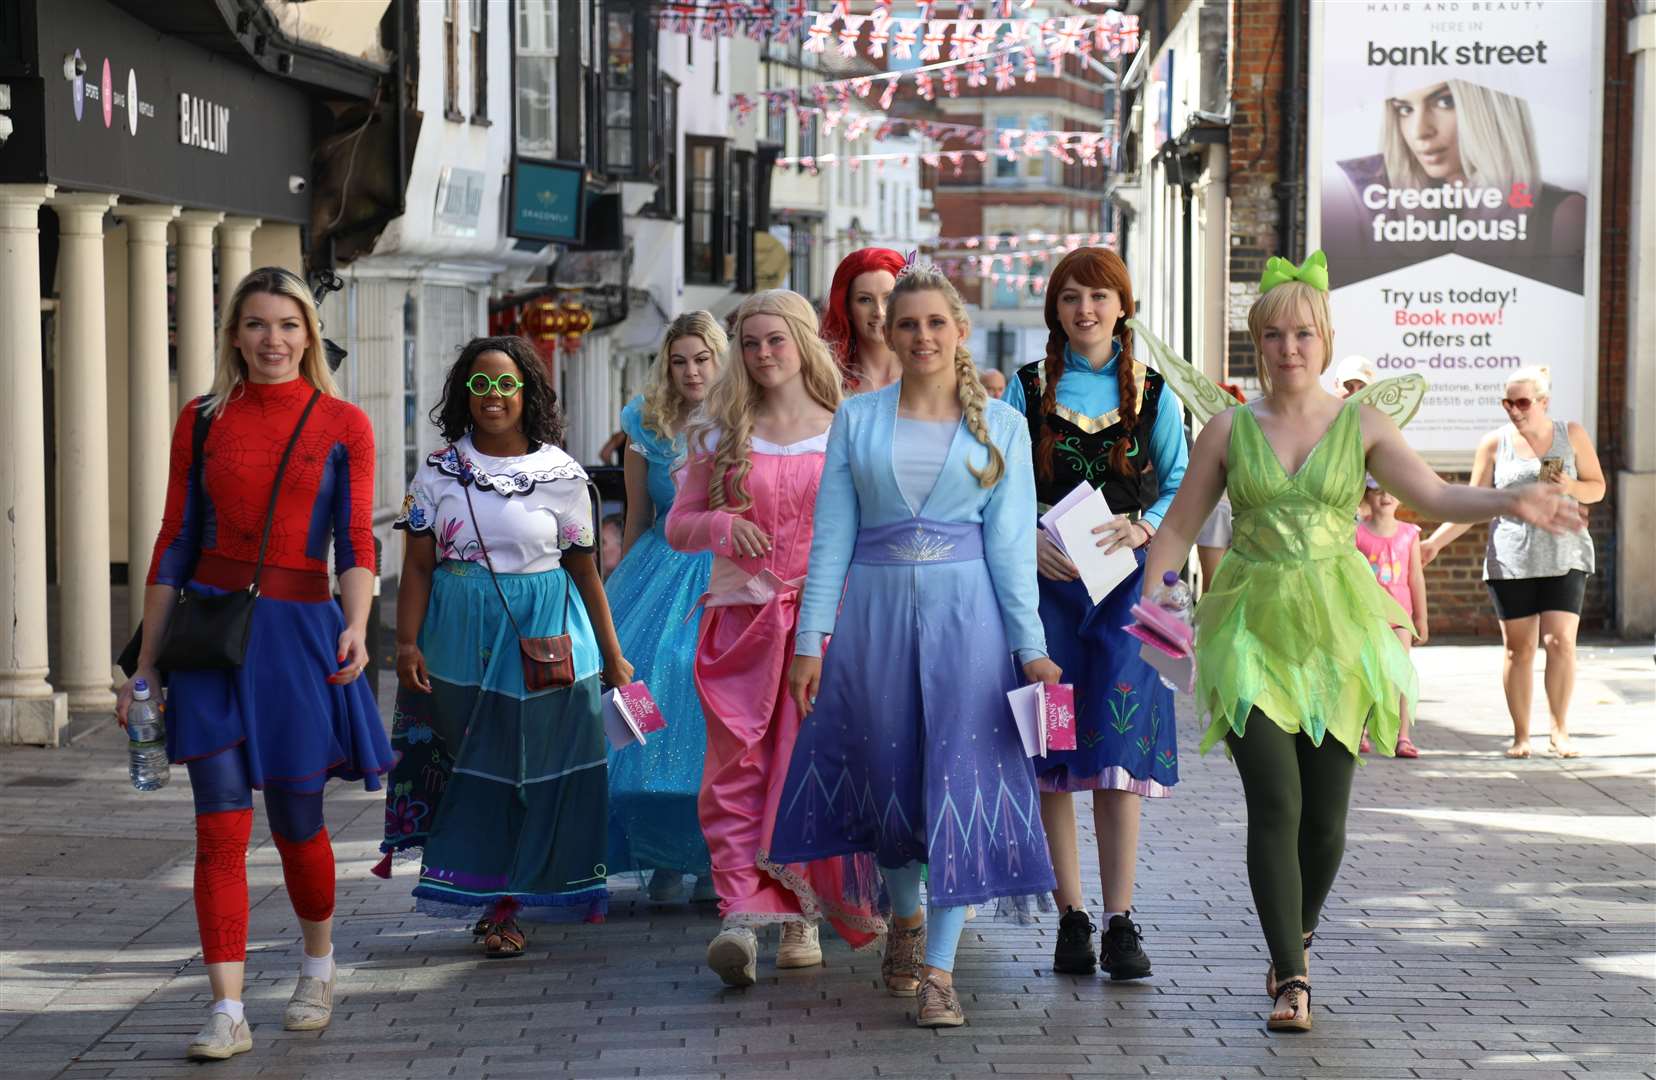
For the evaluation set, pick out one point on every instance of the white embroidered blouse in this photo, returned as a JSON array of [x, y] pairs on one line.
[[531, 508]]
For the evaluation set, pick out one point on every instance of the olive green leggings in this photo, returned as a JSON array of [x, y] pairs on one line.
[[1297, 795]]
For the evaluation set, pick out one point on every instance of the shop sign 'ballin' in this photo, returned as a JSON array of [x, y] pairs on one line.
[[203, 124]]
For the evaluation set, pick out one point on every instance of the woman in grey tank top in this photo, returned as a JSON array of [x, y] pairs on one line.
[[1535, 579]]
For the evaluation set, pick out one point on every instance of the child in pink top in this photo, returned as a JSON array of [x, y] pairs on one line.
[[1392, 549]]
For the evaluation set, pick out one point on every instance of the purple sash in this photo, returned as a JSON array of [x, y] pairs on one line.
[[919, 540]]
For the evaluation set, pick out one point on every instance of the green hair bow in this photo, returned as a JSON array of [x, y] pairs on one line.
[[1279, 270]]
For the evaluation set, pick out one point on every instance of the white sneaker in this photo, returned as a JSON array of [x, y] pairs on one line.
[[221, 1038], [311, 1006], [734, 956], [800, 946]]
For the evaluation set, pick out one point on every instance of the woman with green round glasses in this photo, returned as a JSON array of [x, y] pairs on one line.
[[510, 820], [482, 385]]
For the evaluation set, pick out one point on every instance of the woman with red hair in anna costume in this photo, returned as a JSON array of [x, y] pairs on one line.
[[1098, 416], [853, 320]]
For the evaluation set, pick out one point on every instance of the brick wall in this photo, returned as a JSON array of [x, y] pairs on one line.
[[1257, 72]]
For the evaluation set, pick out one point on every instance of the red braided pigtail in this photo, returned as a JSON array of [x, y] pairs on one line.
[[1053, 368]]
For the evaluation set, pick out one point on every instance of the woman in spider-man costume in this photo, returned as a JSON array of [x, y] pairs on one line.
[[295, 712]]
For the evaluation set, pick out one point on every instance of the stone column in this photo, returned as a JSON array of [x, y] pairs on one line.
[[150, 420], [83, 455], [1636, 479], [197, 344], [235, 256], [29, 711]]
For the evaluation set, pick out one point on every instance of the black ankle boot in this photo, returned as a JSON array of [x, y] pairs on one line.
[[1074, 954], [1123, 956]]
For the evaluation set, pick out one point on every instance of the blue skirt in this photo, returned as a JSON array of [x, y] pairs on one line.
[[295, 728], [911, 752], [504, 790], [653, 788], [1124, 732]]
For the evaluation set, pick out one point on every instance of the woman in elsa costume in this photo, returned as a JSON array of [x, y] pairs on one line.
[[654, 592], [1294, 647], [925, 521]]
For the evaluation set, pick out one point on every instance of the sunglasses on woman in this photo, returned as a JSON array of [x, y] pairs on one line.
[[505, 385], [1522, 403]]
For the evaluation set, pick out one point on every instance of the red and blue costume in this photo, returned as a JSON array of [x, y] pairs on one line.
[[276, 723]]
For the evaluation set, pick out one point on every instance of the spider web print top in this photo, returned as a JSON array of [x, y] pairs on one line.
[[327, 494]]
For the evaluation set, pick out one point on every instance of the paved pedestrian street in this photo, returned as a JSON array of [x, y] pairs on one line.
[[1493, 919]]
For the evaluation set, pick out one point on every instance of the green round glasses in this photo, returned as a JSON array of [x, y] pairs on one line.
[[505, 385]]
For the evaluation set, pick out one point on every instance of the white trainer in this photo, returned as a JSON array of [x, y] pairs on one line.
[[800, 946], [734, 956], [221, 1038], [311, 1006]]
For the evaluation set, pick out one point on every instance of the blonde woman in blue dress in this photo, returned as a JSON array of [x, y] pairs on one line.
[[925, 522], [654, 591]]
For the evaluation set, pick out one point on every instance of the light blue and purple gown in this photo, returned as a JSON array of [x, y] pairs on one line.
[[911, 753], [654, 593]]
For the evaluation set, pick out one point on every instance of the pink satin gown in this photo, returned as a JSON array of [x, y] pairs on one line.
[[742, 658]]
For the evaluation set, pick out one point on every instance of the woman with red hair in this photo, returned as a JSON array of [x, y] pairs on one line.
[[853, 320], [1097, 416]]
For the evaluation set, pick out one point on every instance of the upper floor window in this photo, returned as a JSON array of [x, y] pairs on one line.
[[480, 61], [1021, 169], [705, 237], [451, 60], [536, 44], [631, 132]]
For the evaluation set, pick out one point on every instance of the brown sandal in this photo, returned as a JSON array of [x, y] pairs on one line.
[[1294, 990], [482, 927], [504, 940], [902, 964], [1270, 971]]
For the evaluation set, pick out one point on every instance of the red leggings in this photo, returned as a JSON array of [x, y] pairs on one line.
[[224, 822]]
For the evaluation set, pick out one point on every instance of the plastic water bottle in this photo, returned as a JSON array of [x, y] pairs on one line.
[[147, 742], [1174, 595]]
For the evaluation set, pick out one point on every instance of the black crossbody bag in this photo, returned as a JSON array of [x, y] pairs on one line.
[[205, 632]]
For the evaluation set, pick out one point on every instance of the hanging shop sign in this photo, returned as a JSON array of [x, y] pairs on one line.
[[548, 201], [124, 108], [1454, 177]]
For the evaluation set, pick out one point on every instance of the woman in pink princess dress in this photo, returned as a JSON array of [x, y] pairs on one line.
[[747, 494]]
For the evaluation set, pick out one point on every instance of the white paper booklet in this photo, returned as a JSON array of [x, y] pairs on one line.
[[1070, 524]]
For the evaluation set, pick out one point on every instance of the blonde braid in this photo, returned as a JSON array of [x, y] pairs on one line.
[[973, 400]]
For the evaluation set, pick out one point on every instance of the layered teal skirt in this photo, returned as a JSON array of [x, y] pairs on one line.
[[504, 792]]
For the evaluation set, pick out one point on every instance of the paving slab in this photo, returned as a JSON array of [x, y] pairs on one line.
[[1493, 919]]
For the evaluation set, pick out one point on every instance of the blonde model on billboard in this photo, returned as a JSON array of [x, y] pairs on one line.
[[1447, 134]]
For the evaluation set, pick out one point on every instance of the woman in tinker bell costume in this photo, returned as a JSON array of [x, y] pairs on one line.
[[1293, 637]]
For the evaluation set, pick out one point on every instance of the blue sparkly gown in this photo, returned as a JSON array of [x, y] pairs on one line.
[[653, 594]]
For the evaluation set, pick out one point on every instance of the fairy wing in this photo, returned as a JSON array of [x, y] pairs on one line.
[[1200, 394], [1399, 397]]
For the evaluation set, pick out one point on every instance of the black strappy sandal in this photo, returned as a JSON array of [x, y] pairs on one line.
[[1292, 989], [1270, 970], [484, 925]]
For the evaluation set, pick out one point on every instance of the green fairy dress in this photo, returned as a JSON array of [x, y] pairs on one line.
[[1294, 623]]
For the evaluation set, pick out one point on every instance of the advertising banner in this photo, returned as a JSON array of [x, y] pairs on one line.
[[1453, 168]]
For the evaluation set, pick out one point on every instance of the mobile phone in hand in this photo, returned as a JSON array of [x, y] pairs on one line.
[[1552, 470]]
